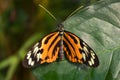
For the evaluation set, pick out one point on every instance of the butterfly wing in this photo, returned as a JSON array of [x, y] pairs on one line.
[[78, 51], [44, 51]]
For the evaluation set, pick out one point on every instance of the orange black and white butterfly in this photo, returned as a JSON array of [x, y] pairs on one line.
[[57, 45]]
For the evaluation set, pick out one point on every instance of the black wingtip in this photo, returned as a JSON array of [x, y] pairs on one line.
[[25, 63]]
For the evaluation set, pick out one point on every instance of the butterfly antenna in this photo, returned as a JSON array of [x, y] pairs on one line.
[[76, 10], [48, 12]]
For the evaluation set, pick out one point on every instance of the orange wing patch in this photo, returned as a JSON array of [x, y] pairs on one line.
[[78, 51], [48, 48], [44, 51], [72, 46]]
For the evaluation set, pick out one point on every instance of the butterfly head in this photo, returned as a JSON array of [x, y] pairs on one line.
[[60, 27]]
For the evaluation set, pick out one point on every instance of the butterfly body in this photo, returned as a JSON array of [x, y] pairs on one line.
[[58, 44]]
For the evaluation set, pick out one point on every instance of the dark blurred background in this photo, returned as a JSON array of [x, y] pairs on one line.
[[19, 20]]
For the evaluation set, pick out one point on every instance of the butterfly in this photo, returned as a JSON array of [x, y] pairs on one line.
[[58, 44]]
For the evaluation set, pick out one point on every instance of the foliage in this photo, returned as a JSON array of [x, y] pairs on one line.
[[97, 24]]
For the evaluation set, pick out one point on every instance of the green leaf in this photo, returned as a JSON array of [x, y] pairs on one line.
[[99, 26]]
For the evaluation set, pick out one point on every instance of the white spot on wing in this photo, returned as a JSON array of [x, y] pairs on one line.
[[38, 57], [35, 50], [36, 44], [84, 57], [32, 63], [84, 44], [28, 54], [93, 55], [29, 61], [90, 63], [86, 50]]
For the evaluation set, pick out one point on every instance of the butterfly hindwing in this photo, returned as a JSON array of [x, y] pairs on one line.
[[78, 51], [44, 51]]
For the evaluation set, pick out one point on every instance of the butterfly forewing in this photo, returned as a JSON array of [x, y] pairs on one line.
[[44, 51], [78, 51]]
